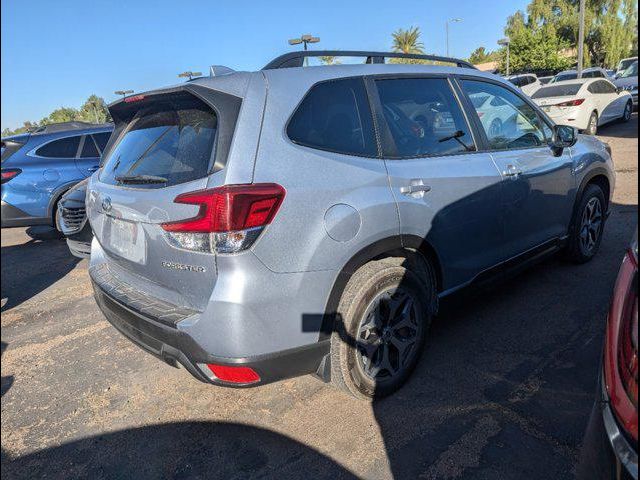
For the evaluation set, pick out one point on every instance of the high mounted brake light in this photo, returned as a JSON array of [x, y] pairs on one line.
[[133, 98], [229, 220]]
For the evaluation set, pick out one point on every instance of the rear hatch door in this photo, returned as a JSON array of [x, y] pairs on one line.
[[164, 145]]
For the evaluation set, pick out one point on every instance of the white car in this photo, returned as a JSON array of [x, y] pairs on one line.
[[586, 103], [494, 112], [527, 82], [592, 72]]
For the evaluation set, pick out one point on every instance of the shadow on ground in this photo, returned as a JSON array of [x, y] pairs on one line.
[[31, 267]]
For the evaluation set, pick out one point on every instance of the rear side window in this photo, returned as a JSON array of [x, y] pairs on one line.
[[89, 149], [171, 140], [101, 139], [63, 148], [335, 116], [424, 117]]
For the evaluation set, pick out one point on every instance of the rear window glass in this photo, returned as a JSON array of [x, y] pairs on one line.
[[335, 116], [63, 148], [566, 76], [171, 140], [557, 90]]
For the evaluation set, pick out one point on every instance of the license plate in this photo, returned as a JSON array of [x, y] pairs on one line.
[[127, 240]]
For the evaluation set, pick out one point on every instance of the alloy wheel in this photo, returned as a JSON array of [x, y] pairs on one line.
[[387, 335], [591, 225]]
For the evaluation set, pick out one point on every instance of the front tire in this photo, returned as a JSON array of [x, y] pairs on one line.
[[592, 126], [382, 321], [586, 230]]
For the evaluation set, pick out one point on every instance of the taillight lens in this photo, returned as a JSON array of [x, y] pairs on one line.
[[240, 375], [621, 347], [9, 173], [230, 217], [571, 103]]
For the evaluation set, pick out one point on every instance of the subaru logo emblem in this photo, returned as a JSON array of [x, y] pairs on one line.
[[106, 204]]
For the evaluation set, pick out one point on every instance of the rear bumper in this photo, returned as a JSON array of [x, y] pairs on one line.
[[14, 217], [175, 346]]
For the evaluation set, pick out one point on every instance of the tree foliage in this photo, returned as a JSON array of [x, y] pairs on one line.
[[407, 41], [481, 55], [610, 32], [94, 110]]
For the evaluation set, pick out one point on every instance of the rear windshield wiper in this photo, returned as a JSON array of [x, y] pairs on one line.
[[140, 179]]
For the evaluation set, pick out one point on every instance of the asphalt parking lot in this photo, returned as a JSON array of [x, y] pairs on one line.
[[504, 389]]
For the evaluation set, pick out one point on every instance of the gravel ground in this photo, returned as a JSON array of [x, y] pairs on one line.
[[504, 388]]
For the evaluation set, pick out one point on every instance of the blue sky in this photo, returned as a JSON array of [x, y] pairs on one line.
[[57, 53]]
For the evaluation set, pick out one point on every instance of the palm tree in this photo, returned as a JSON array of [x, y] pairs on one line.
[[407, 41]]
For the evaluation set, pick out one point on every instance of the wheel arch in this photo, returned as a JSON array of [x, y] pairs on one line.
[[410, 247], [598, 176], [55, 196]]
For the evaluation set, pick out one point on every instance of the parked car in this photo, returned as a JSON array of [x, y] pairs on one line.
[[628, 80], [611, 73], [527, 82], [37, 168], [72, 220], [585, 104], [610, 447], [545, 80], [625, 63], [593, 72], [252, 237]]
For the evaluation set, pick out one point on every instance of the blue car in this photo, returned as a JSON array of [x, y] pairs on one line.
[[38, 167]]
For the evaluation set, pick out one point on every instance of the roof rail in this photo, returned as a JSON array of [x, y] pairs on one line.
[[296, 59], [64, 126]]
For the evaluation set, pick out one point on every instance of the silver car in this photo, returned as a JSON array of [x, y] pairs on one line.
[[254, 226]]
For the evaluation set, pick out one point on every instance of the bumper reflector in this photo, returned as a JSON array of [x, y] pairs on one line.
[[234, 374]]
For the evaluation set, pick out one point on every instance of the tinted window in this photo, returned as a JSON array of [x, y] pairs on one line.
[[518, 81], [171, 138], [89, 149], [424, 117], [593, 74], [557, 90], [335, 116], [63, 148], [514, 124], [606, 87], [101, 139], [566, 76]]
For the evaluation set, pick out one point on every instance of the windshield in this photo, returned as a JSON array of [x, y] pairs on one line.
[[565, 76], [632, 71], [624, 64], [557, 90], [166, 143]]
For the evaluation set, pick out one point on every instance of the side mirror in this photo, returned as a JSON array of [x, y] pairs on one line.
[[564, 136]]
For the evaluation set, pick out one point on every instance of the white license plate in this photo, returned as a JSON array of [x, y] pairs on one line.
[[127, 240]]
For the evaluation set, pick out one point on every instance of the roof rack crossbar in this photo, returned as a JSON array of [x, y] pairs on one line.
[[296, 59]]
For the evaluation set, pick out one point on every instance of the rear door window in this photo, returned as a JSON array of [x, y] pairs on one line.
[[63, 148], [101, 139], [89, 149], [335, 116], [424, 117], [171, 140]]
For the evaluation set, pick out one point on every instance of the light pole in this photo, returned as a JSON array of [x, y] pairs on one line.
[[305, 39], [446, 27], [124, 93], [505, 42], [189, 74], [580, 38]]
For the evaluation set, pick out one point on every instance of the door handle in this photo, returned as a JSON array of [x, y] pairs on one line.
[[415, 189], [512, 172]]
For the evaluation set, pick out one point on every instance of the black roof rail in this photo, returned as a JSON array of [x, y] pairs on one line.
[[64, 126], [296, 59]]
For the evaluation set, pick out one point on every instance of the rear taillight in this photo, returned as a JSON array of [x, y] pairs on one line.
[[571, 103], [9, 173], [621, 347], [230, 217]]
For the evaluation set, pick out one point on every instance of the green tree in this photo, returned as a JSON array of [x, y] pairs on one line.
[[480, 55], [94, 110], [62, 114], [407, 41], [329, 60]]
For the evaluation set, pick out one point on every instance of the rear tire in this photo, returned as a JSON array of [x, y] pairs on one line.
[[587, 226], [592, 126], [383, 318]]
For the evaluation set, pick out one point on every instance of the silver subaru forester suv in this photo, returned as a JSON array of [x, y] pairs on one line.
[[255, 226]]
